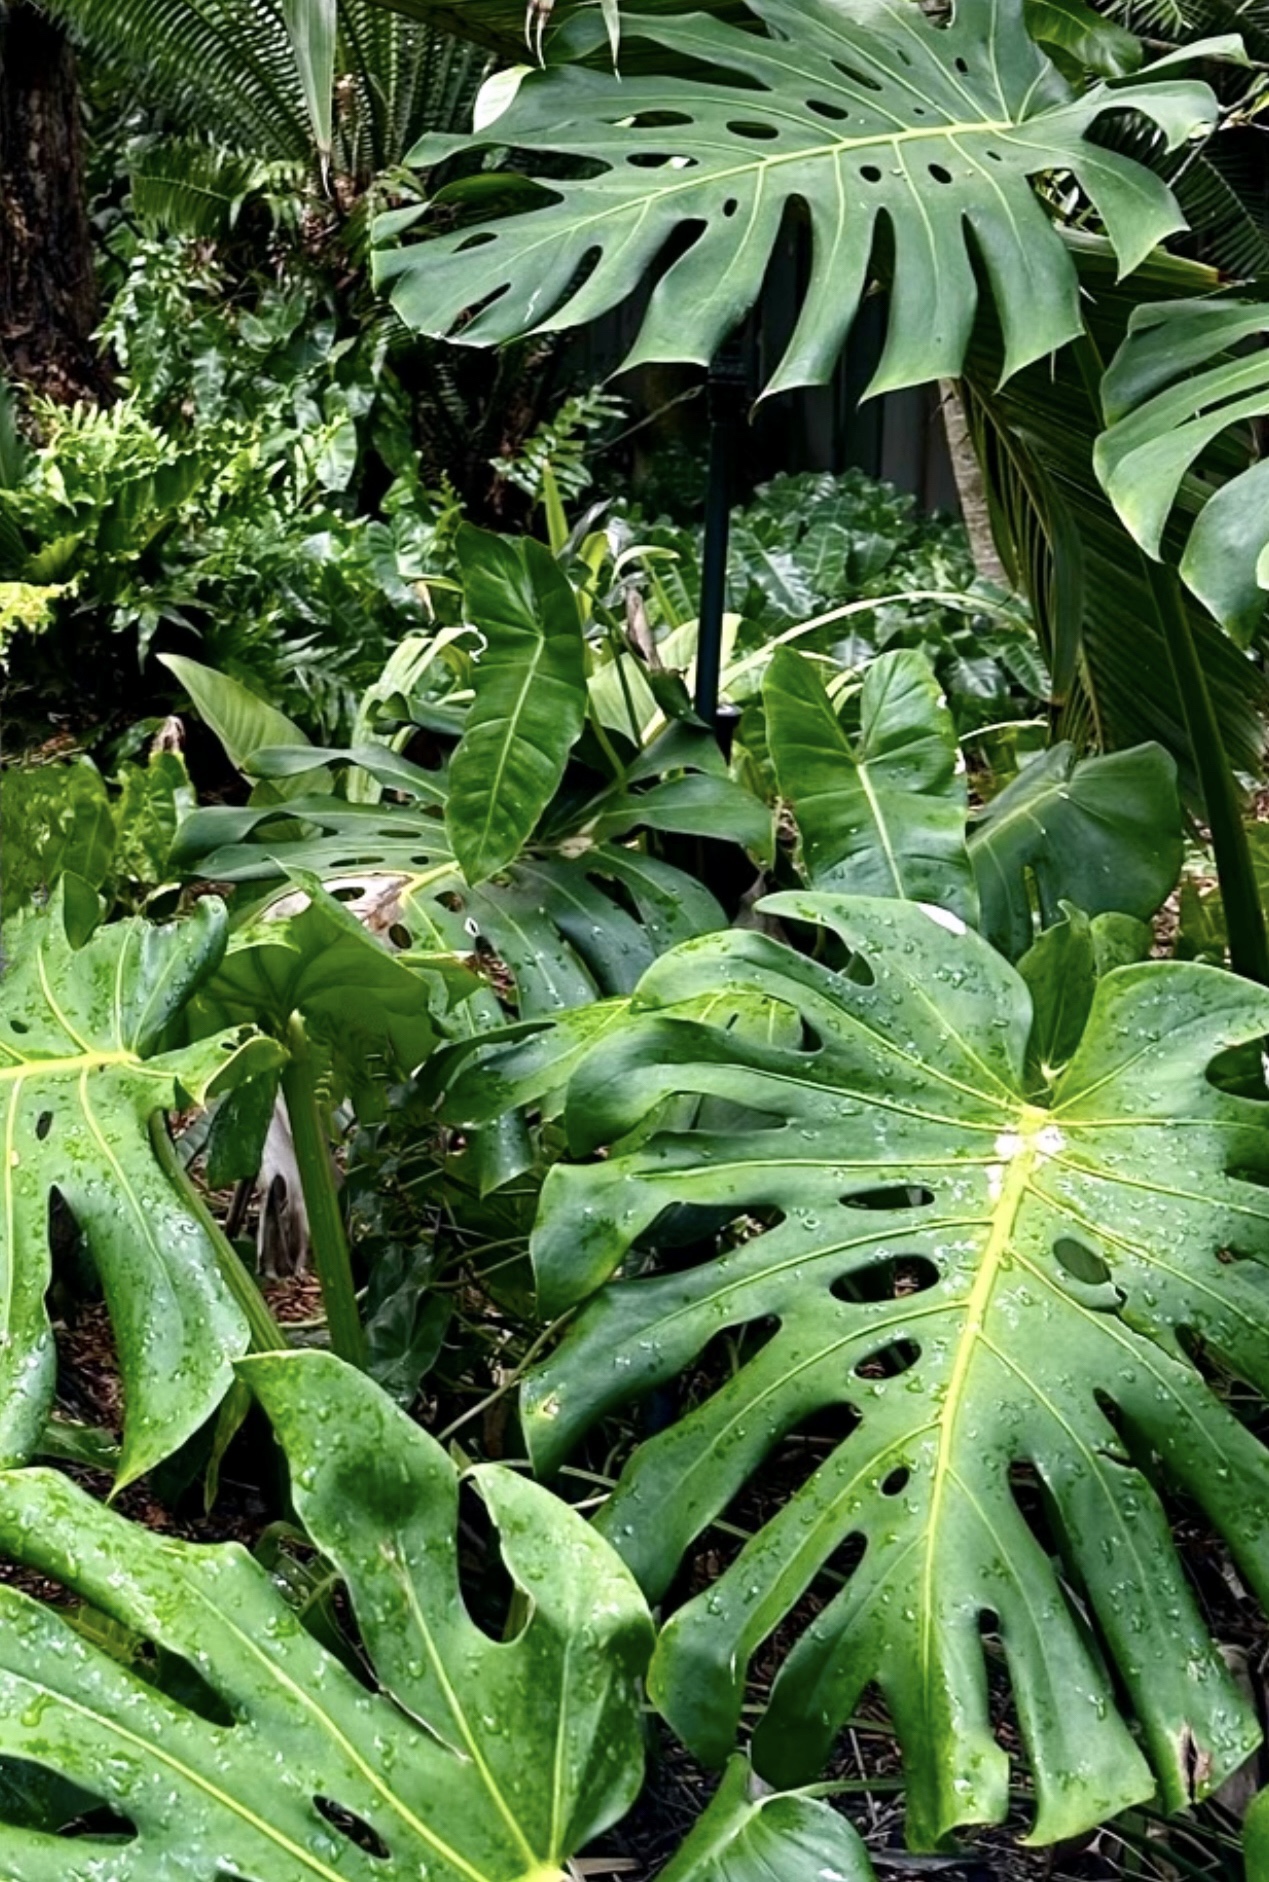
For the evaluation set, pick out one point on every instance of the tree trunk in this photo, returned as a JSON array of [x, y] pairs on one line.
[[48, 294], [969, 483]]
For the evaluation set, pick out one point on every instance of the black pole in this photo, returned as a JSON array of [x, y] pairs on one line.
[[728, 399]]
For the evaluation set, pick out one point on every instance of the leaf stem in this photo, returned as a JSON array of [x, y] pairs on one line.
[[331, 1254], [266, 1335], [1244, 914]]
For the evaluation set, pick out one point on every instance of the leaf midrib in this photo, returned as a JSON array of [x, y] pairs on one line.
[[999, 1242]]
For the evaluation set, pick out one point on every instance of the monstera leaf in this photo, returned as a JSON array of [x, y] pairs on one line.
[[1187, 372], [1103, 833], [82, 1074], [997, 1299], [884, 815], [472, 1759], [869, 116]]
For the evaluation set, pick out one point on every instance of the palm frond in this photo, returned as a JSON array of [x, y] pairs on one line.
[[226, 68]]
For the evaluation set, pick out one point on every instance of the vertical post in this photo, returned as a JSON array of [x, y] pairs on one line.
[[728, 399]]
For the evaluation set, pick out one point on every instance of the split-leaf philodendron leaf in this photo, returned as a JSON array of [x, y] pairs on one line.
[[995, 1298], [82, 1075], [475, 1760], [867, 116], [1188, 371]]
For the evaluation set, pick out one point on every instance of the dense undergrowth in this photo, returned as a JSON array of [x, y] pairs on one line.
[[587, 1291]]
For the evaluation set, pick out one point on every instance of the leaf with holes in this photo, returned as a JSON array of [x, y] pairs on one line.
[[473, 1759], [872, 118], [1188, 371], [885, 814], [82, 1074], [997, 1300]]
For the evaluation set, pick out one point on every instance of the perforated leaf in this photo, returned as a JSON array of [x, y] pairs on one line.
[[864, 114], [470, 1759], [993, 1294], [82, 1074]]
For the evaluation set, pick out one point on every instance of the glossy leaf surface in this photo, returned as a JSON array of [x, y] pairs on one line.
[[1104, 833], [530, 702], [469, 1759], [82, 1074], [993, 1297], [1187, 372], [746, 1837], [885, 814], [865, 115]]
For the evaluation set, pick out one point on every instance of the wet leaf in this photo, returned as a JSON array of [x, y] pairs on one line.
[[469, 1760], [973, 1280]]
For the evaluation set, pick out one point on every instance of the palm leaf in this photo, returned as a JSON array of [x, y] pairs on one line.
[[228, 68]]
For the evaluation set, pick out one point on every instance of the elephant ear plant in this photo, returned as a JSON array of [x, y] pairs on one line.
[[998, 1290]]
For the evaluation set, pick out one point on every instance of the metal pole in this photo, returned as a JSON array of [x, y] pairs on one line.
[[728, 399]]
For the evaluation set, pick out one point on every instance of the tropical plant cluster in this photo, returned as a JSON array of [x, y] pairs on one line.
[[631, 1242]]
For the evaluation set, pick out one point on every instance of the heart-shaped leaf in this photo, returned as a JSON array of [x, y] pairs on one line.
[[1103, 833], [884, 815], [530, 703]]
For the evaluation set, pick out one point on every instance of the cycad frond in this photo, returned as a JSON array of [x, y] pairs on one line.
[[226, 68]]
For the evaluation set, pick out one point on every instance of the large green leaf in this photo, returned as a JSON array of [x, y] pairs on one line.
[[1187, 372], [82, 1074], [242, 721], [747, 1837], [473, 1759], [886, 814], [310, 955], [996, 1299], [1095, 605], [530, 703], [566, 925], [868, 117], [1104, 833]]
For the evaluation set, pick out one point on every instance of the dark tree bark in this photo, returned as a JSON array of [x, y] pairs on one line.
[[48, 294]]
